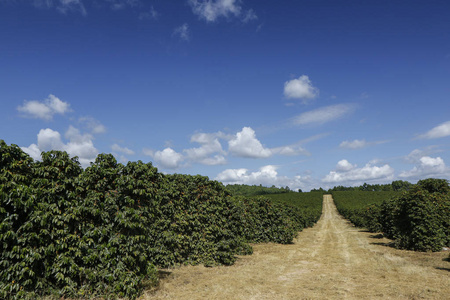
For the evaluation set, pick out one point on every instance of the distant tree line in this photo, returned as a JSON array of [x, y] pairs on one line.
[[255, 190], [396, 186]]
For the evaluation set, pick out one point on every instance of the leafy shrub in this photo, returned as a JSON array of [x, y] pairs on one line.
[[362, 208], [304, 209], [419, 219], [264, 221], [67, 232], [196, 220]]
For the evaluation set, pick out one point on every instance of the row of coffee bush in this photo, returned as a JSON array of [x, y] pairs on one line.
[[103, 231], [417, 219]]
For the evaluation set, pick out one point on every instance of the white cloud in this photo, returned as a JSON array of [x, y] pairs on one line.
[[427, 166], [300, 88], [324, 114], [210, 152], [211, 10], [245, 144], [439, 131], [124, 150], [33, 150], [182, 32], [344, 166], [266, 175], [49, 139], [415, 155], [44, 109], [80, 145], [346, 172], [168, 158]]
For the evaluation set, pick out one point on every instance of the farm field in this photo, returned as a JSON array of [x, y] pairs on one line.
[[332, 260]]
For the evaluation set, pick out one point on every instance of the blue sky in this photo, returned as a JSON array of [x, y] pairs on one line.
[[304, 94]]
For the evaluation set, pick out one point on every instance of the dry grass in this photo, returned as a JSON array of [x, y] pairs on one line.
[[333, 260]]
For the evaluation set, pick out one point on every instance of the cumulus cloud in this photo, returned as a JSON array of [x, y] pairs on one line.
[[323, 115], [78, 144], [120, 149], [44, 110], [182, 32], [427, 166], [167, 158], [266, 175], [210, 152], [211, 10], [344, 166], [347, 172], [245, 144], [300, 88], [242, 144], [439, 131], [33, 151], [49, 139]]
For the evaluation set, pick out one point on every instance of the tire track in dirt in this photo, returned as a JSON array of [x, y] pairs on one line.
[[332, 260]]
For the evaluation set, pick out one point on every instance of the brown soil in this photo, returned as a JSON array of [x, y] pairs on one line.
[[332, 260]]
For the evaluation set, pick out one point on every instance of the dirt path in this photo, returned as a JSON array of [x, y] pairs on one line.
[[332, 260]]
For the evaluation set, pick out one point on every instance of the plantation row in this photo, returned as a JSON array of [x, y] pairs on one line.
[[417, 219], [103, 231]]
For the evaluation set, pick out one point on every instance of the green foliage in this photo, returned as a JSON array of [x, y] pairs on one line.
[[419, 219], [362, 208], [398, 185], [101, 232], [255, 190], [195, 223], [264, 221], [72, 233], [304, 208]]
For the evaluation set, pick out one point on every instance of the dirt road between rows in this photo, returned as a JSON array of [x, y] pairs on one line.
[[332, 260]]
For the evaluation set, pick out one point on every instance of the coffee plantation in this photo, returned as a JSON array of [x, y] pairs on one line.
[[103, 231], [417, 219]]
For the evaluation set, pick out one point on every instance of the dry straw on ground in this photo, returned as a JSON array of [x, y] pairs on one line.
[[332, 260]]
